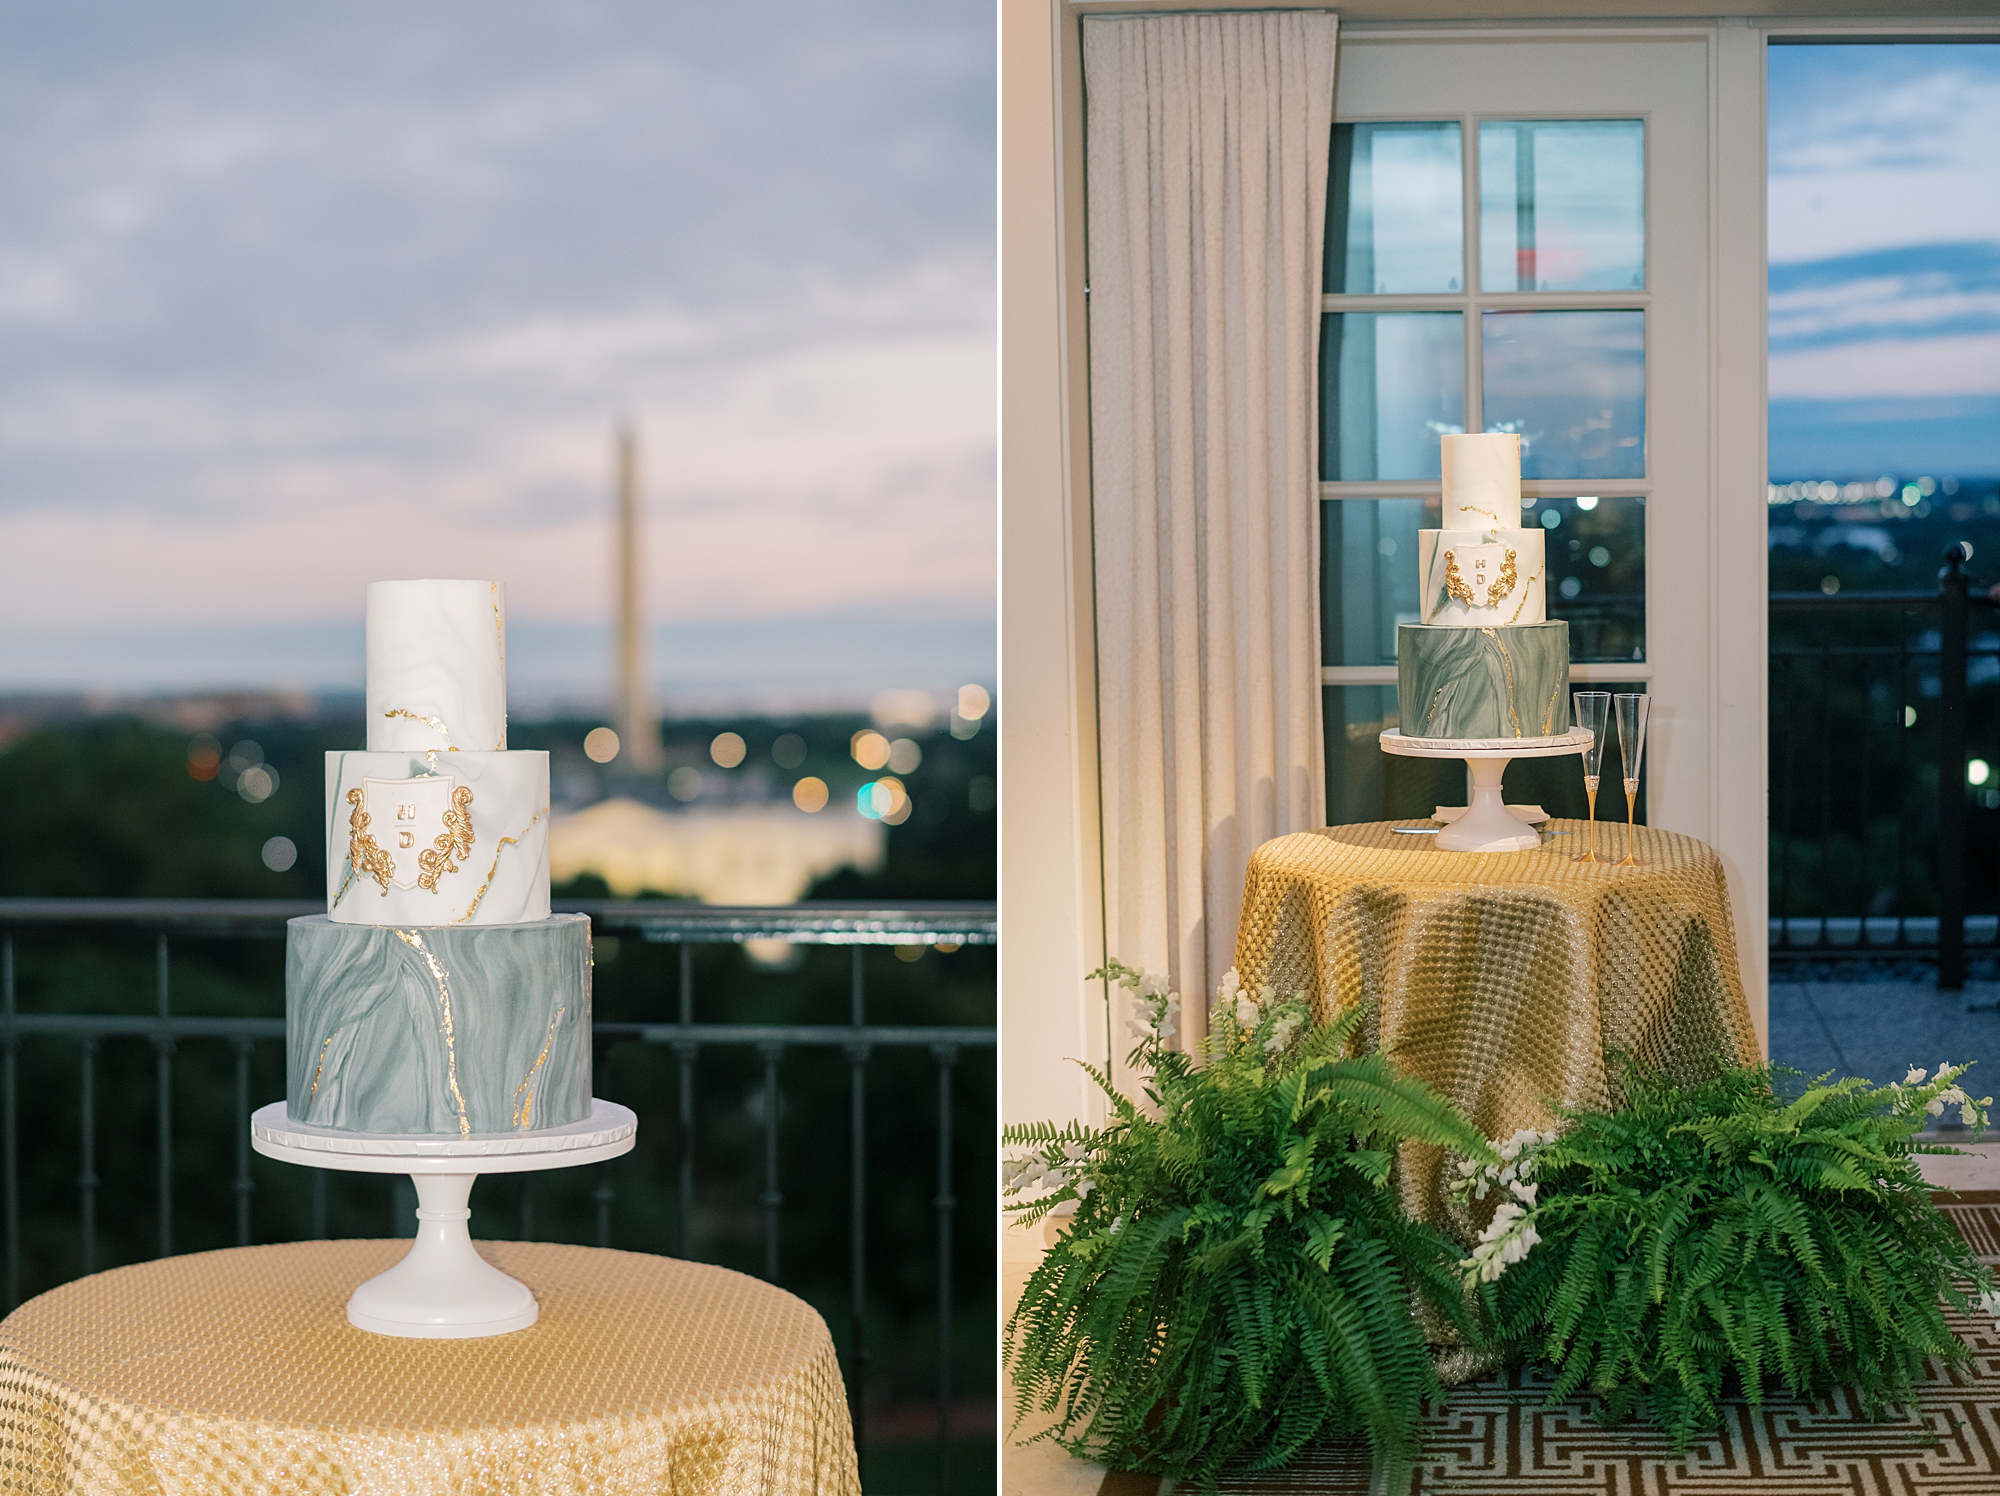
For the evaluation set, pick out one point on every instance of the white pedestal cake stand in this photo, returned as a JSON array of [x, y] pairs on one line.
[[444, 1290], [1487, 826]]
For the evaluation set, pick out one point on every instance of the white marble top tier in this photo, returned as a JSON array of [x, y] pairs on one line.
[[437, 666], [1482, 481]]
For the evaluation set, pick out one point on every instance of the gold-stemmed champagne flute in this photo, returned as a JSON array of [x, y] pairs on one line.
[[1632, 711], [1593, 710]]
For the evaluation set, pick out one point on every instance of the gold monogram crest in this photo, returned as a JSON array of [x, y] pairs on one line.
[[452, 843], [367, 859], [1456, 586], [409, 832]]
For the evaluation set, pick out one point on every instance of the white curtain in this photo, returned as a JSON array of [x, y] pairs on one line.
[[1207, 158]]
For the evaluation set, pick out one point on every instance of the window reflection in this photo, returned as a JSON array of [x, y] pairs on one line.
[[1573, 384], [1394, 214], [1391, 383], [1595, 549], [1562, 205], [1368, 576], [1365, 784]]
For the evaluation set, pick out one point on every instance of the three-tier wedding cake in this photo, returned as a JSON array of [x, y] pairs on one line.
[[1485, 662], [437, 994]]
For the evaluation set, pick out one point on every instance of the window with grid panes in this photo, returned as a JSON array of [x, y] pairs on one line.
[[1533, 322]]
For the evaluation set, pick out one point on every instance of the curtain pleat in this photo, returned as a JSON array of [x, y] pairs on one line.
[[1207, 142]]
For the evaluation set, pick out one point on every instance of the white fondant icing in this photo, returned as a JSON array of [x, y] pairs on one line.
[[437, 666], [501, 879], [1482, 481], [1525, 602]]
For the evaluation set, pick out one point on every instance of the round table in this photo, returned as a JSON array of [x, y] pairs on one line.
[[237, 1371], [1503, 979]]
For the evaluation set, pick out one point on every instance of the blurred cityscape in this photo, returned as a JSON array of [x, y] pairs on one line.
[[1881, 533], [221, 795]]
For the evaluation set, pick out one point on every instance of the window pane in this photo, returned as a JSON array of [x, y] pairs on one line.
[[1394, 211], [1573, 384], [1596, 555], [1562, 205], [1391, 383], [1368, 576], [1365, 784]]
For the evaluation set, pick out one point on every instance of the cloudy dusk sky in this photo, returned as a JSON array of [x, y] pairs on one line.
[[296, 298], [1885, 260]]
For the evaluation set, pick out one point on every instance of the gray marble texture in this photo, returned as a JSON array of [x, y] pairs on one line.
[[502, 878], [478, 1029], [1483, 682]]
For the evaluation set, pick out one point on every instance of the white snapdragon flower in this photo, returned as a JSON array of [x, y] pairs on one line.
[[1230, 998], [1989, 1303], [1507, 1239], [1281, 1032]]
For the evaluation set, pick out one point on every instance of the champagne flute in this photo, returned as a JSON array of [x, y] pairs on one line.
[[1632, 711], [1593, 710]]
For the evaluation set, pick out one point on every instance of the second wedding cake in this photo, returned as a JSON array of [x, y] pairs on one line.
[[1485, 662]]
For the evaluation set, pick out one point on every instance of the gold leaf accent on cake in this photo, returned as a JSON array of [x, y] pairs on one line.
[[1525, 591], [439, 975], [435, 723], [1549, 711], [1507, 663], [321, 1066], [524, 1106], [505, 842], [453, 843], [363, 856], [500, 633]]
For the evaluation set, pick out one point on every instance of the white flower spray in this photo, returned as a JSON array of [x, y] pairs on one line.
[[1238, 1018], [1511, 1234]]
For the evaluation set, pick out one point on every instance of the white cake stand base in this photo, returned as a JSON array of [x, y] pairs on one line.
[[444, 1290], [1487, 825]]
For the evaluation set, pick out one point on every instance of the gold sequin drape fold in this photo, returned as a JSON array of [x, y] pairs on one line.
[[238, 1372], [1503, 980]]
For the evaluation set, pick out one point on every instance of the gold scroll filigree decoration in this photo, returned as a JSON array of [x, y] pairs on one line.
[[367, 859], [454, 843], [1456, 586]]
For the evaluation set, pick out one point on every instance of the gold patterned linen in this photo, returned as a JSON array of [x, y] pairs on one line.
[[238, 1372], [1502, 979]]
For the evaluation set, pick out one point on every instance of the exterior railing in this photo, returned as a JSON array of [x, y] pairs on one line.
[[1867, 792], [682, 925]]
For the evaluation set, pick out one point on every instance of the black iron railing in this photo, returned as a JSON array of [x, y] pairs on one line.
[[685, 926], [1877, 702]]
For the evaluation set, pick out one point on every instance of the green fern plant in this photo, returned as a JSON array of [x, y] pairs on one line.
[[1238, 1278], [1724, 1235]]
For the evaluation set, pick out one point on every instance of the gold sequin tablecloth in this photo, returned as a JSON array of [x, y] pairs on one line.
[[238, 1372], [1503, 978]]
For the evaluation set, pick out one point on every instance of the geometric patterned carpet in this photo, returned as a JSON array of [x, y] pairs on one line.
[[1492, 1436]]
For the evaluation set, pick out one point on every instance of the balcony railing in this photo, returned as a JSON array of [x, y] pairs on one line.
[[684, 925], [1879, 704]]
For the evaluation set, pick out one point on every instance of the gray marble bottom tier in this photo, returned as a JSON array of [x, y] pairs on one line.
[[470, 1029], [1483, 682]]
